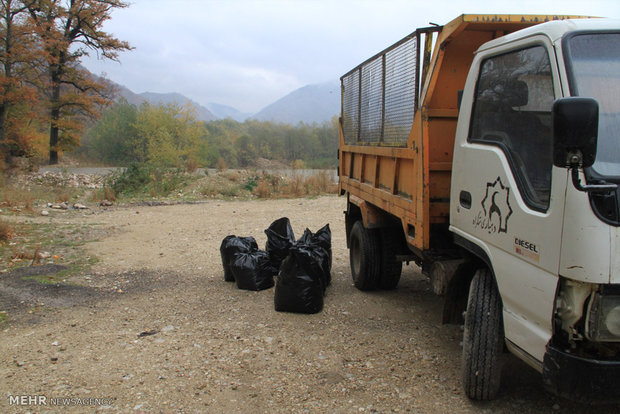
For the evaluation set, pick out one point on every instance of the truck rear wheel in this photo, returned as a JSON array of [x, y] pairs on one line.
[[364, 257], [483, 338], [391, 268]]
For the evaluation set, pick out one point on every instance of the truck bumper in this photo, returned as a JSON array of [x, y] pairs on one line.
[[581, 379]]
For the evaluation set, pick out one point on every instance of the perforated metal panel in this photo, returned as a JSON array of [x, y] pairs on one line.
[[350, 107], [400, 91], [372, 102], [378, 97]]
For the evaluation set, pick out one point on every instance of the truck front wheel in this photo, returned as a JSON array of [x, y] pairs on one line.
[[483, 338], [365, 257]]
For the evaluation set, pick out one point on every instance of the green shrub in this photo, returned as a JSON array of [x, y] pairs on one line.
[[135, 177], [251, 184], [146, 179]]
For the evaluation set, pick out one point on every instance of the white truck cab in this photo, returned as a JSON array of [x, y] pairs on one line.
[[534, 196]]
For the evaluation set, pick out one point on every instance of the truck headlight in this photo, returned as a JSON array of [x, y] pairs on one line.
[[603, 322]]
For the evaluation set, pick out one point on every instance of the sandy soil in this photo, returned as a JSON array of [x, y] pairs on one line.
[[154, 328]]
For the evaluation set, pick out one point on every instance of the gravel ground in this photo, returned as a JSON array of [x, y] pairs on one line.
[[154, 328]]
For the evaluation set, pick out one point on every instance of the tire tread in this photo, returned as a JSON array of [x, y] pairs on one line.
[[371, 260], [482, 338]]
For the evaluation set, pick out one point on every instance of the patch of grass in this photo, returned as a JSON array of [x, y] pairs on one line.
[[141, 179], [220, 189], [233, 176], [296, 186], [17, 198], [4, 317], [6, 230], [41, 243], [270, 186], [105, 193], [191, 165], [44, 279]]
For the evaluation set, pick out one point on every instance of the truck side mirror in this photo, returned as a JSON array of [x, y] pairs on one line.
[[575, 131]]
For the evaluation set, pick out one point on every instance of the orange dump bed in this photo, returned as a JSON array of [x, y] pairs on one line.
[[399, 117]]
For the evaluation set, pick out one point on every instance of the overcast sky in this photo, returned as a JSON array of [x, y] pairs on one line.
[[247, 54]]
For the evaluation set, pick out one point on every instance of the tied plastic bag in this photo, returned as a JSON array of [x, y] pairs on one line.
[[280, 239], [300, 284], [252, 270], [231, 245], [321, 239]]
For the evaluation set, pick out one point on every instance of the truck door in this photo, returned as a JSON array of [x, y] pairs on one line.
[[509, 199]]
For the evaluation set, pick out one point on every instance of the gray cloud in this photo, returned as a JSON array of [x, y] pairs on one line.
[[248, 53]]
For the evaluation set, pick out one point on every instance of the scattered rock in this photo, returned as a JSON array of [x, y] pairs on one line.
[[92, 181], [106, 203], [45, 213], [148, 333], [79, 206]]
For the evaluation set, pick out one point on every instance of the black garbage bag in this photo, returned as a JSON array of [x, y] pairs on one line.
[[232, 245], [280, 238], [252, 270], [300, 286], [321, 239]]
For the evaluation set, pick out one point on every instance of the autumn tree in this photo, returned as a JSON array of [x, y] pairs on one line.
[[166, 136], [67, 31], [18, 58]]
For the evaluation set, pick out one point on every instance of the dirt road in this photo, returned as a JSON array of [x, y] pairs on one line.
[[154, 328]]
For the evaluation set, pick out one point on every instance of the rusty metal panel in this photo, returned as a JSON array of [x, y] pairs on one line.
[[517, 18], [386, 174], [369, 170], [405, 184]]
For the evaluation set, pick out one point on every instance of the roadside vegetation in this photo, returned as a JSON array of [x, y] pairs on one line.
[[30, 244], [171, 136], [143, 182]]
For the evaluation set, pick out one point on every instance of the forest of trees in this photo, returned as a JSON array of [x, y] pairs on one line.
[[170, 136], [50, 105]]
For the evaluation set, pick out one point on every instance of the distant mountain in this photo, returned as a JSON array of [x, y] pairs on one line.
[[132, 98], [176, 98], [315, 103], [309, 104], [225, 111]]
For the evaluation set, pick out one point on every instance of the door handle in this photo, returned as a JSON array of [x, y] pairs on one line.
[[465, 199]]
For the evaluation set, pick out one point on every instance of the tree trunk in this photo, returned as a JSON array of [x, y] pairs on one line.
[[2, 124], [54, 118]]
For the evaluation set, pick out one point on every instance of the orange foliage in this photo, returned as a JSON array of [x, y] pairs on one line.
[[66, 32]]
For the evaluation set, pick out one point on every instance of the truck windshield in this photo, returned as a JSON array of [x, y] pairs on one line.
[[594, 59]]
